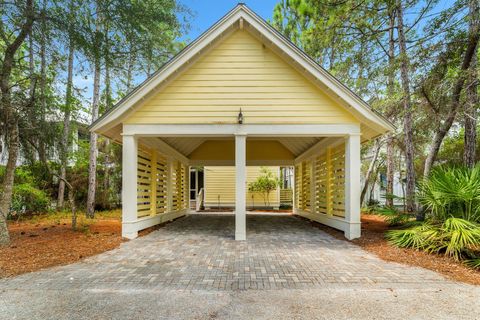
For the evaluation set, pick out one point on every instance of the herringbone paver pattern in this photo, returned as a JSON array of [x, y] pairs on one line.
[[198, 252]]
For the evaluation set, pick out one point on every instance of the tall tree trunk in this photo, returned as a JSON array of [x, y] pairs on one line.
[[11, 119], [31, 64], [131, 62], [66, 124], [6, 199], [92, 169], [375, 177], [470, 137], [391, 91], [376, 151], [108, 105], [441, 132], [407, 121], [42, 152]]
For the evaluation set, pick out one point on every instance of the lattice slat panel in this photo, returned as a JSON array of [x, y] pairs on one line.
[[338, 182], [185, 186], [161, 196], [298, 186], [306, 179], [144, 180], [176, 176], [321, 181]]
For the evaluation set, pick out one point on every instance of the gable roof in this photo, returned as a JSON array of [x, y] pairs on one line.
[[238, 17]]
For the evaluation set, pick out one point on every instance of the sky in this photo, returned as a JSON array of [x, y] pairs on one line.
[[207, 12]]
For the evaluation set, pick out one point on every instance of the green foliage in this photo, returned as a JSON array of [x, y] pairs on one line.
[[265, 184], [451, 196], [455, 237], [372, 207], [29, 196], [452, 192], [473, 263], [451, 153], [28, 199], [393, 216], [417, 237]]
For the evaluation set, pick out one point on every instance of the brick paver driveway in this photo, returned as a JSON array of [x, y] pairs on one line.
[[197, 257]]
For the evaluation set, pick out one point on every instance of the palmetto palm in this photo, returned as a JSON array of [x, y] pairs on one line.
[[452, 192]]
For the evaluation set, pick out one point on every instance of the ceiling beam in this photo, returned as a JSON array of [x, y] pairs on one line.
[[164, 148], [319, 148]]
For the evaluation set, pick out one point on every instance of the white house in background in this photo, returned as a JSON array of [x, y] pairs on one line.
[[79, 131]]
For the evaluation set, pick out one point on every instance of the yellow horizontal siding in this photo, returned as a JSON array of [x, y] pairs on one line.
[[219, 186], [240, 73]]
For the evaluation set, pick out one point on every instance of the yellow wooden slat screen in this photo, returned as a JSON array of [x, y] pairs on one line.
[[330, 182], [152, 185], [144, 184], [338, 181], [179, 186], [298, 186], [161, 204], [306, 179]]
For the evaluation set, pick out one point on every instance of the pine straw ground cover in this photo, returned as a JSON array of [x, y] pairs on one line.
[[48, 240], [373, 240]]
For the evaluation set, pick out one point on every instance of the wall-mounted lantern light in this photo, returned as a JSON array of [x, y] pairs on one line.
[[240, 117]]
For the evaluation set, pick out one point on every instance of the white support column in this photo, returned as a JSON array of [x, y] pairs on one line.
[[352, 186], [240, 187], [129, 186]]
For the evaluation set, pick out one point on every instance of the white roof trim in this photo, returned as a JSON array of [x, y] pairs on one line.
[[202, 42]]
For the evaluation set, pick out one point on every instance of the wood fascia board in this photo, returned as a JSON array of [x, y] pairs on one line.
[[252, 130]]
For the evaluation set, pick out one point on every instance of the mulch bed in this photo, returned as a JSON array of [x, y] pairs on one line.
[[40, 245], [373, 240], [36, 246]]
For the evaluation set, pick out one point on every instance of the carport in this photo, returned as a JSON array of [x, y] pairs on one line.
[[240, 95]]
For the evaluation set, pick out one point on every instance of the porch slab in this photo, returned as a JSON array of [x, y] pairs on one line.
[[194, 262]]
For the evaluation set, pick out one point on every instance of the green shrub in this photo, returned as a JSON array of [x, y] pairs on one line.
[[28, 199], [266, 183], [473, 263], [451, 192], [393, 216], [371, 206], [455, 237]]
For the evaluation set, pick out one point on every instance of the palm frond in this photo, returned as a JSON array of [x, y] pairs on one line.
[[473, 263]]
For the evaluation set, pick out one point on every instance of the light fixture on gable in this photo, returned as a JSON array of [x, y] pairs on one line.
[[240, 117]]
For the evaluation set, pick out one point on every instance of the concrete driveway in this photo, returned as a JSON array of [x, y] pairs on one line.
[[193, 269]]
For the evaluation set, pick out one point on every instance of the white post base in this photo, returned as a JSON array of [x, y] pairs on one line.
[[240, 236], [353, 231], [129, 230], [129, 235]]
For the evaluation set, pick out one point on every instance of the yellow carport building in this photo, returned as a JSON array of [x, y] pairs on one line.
[[241, 95]]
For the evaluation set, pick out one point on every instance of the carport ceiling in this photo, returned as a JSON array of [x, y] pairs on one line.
[[186, 145]]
